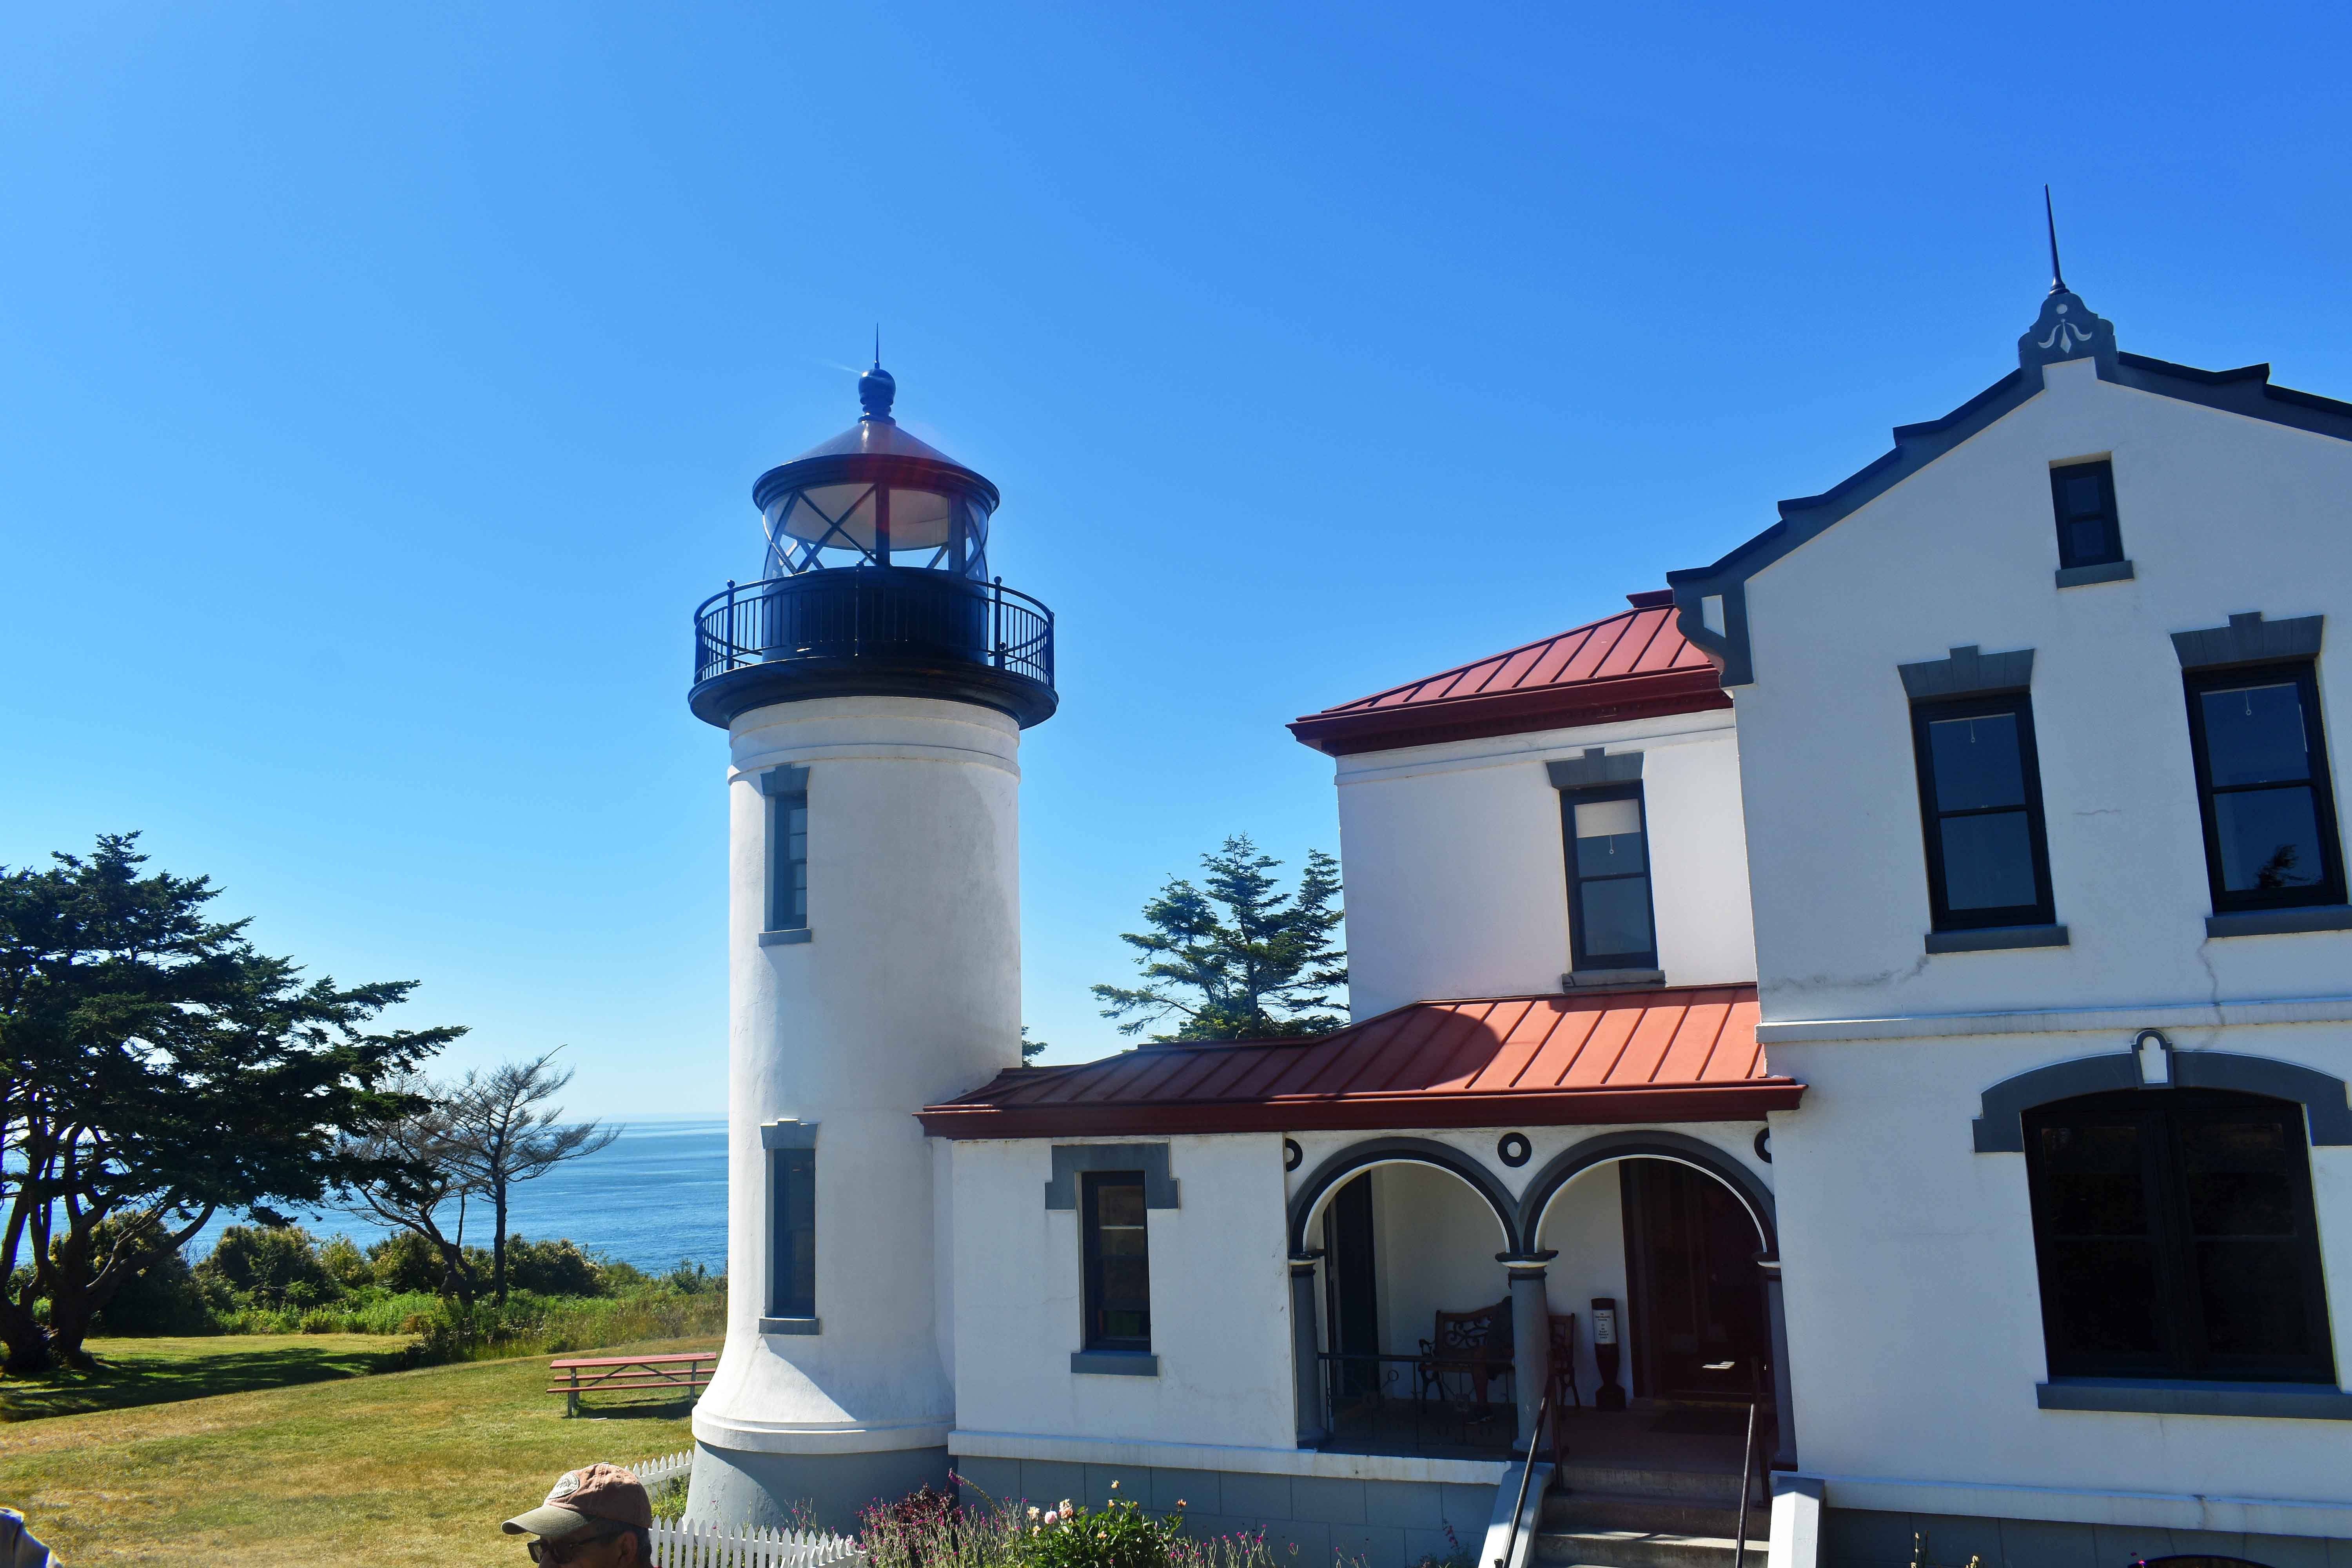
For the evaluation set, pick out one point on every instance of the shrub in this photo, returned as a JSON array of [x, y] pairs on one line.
[[689, 1278], [164, 1299], [405, 1261], [268, 1266], [1119, 1536], [346, 1264], [552, 1269]]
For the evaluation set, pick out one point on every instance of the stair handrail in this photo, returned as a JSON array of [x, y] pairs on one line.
[[1747, 1474], [1527, 1472]]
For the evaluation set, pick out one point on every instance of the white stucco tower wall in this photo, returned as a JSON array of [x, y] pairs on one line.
[[907, 993]]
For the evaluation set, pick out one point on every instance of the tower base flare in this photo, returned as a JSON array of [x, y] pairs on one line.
[[737, 1487]]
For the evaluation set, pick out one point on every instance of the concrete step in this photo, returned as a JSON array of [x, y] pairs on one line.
[[1626, 1480], [1642, 1549], [1650, 1515]]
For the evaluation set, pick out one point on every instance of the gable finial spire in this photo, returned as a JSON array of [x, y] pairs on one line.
[[2049, 215], [877, 326]]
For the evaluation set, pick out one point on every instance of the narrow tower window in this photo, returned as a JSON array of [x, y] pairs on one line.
[[1609, 878], [1980, 806], [792, 1291], [2084, 496], [1118, 1262], [787, 791], [2262, 781]]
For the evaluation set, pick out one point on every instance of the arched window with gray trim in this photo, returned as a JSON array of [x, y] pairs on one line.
[[2176, 1237]]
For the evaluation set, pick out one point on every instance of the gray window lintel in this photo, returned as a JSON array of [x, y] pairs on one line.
[[781, 781], [788, 937], [1595, 768], [787, 1134], [2182, 1397], [790, 1326], [2249, 640], [1996, 939], [1966, 672], [1152, 1158], [1999, 1126], [2105, 572], [2281, 922], [1116, 1363]]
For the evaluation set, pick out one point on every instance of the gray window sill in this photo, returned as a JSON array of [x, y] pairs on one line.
[[784, 938], [2170, 1396], [2281, 922], [1588, 979], [2106, 571], [1116, 1363], [1996, 939], [790, 1326]]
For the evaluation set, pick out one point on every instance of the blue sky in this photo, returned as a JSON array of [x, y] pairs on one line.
[[381, 390]]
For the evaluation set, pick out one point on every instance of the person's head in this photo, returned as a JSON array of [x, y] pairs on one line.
[[596, 1518]]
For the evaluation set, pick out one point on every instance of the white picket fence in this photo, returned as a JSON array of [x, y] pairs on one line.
[[677, 1544], [682, 1545]]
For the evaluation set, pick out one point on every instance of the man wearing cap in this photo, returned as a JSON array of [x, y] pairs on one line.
[[595, 1518]]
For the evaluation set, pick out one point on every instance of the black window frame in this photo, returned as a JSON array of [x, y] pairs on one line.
[[787, 872], [1091, 1185], [2175, 1301], [2044, 911], [2304, 675], [2103, 470], [1579, 958], [791, 1195]]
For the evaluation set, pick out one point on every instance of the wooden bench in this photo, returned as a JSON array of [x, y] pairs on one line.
[[630, 1374]]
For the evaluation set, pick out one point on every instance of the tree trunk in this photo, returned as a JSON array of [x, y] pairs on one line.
[[498, 1239]]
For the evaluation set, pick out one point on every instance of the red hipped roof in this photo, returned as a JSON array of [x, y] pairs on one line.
[[1689, 1053], [1633, 665]]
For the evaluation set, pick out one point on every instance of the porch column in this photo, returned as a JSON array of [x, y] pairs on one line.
[[1530, 1336], [1783, 1406], [1307, 1365]]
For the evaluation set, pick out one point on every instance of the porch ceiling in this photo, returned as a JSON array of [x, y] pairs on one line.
[[1688, 1054]]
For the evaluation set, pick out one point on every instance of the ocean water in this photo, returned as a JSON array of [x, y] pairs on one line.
[[657, 1195]]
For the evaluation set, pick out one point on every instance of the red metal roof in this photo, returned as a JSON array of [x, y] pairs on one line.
[[1684, 1055], [1633, 665]]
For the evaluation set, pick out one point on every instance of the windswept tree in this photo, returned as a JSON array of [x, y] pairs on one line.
[[156, 1070], [505, 1131], [1236, 958], [417, 1174]]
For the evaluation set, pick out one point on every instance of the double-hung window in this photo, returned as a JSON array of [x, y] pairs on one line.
[[2084, 496], [1609, 922], [788, 816], [2176, 1237], [1980, 807], [2262, 781], [1116, 1260]]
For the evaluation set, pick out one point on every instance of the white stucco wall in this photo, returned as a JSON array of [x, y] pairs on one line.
[[1434, 1245], [1914, 1310], [908, 993], [2219, 514], [1220, 1301], [1457, 871]]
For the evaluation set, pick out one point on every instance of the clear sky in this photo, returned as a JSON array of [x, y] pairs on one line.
[[381, 388]]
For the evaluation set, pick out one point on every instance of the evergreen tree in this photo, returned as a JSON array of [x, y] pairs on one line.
[[1236, 958]]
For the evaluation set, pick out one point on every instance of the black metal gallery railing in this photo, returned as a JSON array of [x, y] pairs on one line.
[[875, 613], [1441, 1404]]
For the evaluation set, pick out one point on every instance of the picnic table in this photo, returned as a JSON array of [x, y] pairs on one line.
[[685, 1373]]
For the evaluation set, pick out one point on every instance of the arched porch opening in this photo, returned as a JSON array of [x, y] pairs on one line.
[[1397, 1248]]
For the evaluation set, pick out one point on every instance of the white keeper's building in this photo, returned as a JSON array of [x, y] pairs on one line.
[[1897, 978]]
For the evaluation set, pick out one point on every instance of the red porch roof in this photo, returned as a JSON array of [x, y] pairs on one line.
[[1688, 1054], [1633, 665]]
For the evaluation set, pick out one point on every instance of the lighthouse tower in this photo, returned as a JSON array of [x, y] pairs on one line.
[[873, 685]]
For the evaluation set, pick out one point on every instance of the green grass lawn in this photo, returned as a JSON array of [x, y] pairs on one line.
[[405, 1467], [152, 1372]]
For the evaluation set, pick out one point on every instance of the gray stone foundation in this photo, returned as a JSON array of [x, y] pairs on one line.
[[735, 1485], [1383, 1524], [1865, 1538]]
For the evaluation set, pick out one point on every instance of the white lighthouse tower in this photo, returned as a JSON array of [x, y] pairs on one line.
[[873, 685]]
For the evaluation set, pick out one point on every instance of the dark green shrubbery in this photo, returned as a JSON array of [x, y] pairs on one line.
[[552, 1268], [166, 1299], [263, 1265]]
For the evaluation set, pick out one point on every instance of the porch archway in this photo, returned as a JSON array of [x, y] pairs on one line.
[[1649, 1144], [1335, 1172]]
